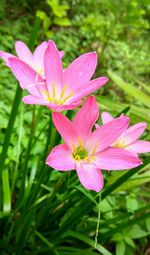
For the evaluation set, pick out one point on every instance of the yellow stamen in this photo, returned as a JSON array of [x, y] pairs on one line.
[[44, 92], [67, 97], [63, 91], [94, 150], [41, 71], [53, 89]]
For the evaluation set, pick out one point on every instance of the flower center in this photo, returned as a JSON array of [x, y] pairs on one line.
[[80, 153], [53, 96]]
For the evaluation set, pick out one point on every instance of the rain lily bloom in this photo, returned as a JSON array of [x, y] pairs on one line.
[[61, 89], [87, 152], [35, 60], [129, 138]]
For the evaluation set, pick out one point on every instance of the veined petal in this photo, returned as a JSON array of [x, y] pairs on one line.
[[60, 158], [27, 77], [38, 56], [66, 129], [5, 56], [116, 159], [53, 66], [23, 52], [86, 117], [133, 133], [80, 70], [34, 100], [90, 177], [88, 88], [106, 134], [139, 147], [106, 117]]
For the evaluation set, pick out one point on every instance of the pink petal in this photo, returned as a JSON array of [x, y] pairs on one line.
[[38, 55], [86, 117], [106, 134], [133, 133], [60, 158], [106, 117], [80, 70], [27, 77], [61, 53], [66, 129], [139, 147], [5, 56], [53, 66], [90, 177], [89, 87], [116, 159], [24, 53], [33, 100]]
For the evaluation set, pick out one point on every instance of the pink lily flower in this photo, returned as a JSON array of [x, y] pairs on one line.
[[61, 89], [35, 60], [87, 152], [129, 138]]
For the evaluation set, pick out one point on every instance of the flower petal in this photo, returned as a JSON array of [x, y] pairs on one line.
[[5, 56], [90, 177], [106, 134], [116, 159], [34, 100], [60, 158], [38, 56], [88, 88], [53, 66], [106, 117], [61, 53], [139, 147], [27, 77], [133, 133], [66, 129], [80, 70], [86, 117], [24, 53]]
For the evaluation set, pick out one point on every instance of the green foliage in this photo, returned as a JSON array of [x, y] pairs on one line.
[[43, 211], [56, 16]]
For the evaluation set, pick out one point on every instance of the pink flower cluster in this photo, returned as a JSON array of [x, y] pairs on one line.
[[88, 148]]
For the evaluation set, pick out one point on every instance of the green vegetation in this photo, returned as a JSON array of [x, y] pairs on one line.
[[43, 211]]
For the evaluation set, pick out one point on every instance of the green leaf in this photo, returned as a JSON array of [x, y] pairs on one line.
[[129, 241], [131, 203], [62, 22], [6, 191], [148, 224], [120, 248], [137, 232]]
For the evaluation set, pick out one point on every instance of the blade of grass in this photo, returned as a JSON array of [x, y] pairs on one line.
[[130, 89]]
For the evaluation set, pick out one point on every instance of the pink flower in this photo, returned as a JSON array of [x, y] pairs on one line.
[[129, 138], [35, 60], [88, 151], [61, 89]]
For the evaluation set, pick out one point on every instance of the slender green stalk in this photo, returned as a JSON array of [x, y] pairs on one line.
[[98, 221], [24, 168]]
